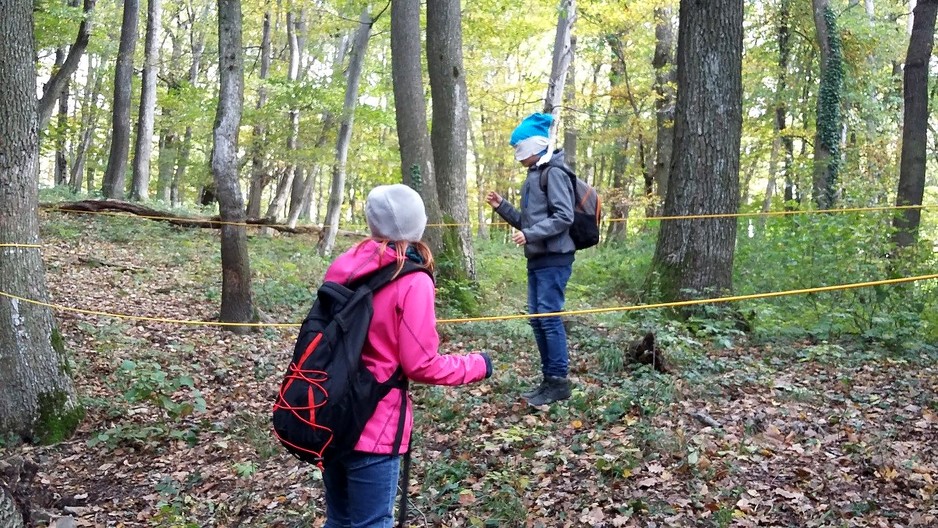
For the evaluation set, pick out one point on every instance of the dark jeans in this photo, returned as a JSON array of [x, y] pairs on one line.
[[360, 491], [546, 290]]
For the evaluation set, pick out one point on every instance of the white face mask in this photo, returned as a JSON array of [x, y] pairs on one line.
[[526, 148]]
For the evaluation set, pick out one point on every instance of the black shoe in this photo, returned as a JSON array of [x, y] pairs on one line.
[[535, 391], [555, 389]]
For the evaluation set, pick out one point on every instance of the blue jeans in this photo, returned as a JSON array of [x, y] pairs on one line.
[[546, 290], [360, 491]]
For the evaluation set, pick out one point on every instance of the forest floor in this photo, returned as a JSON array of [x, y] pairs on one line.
[[741, 434]]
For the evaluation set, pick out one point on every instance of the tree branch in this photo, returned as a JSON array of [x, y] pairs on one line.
[[53, 88]]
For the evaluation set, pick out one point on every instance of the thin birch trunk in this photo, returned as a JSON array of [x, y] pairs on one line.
[[337, 190]]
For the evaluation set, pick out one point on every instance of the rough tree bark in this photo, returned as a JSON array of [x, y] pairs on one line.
[[449, 135], [236, 302], [695, 257], [410, 109], [114, 174], [143, 146], [38, 401], [337, 190], [915, 124]]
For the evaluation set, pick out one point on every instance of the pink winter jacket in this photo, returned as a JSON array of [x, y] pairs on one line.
[[402, 333]]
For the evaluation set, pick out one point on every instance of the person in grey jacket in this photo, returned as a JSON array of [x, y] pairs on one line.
[[543, 228]]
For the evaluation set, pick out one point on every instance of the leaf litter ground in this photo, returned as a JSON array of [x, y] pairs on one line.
[[177, 434]]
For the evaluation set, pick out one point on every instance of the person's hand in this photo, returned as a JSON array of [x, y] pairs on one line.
[[519, 238], [494, 199]]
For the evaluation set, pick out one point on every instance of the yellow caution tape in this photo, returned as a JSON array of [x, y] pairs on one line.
[[674, 304]]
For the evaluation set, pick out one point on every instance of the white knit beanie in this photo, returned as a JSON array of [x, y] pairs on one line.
[[395, 212]]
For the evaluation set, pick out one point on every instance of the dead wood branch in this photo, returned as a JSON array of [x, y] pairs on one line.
[[118, 206]]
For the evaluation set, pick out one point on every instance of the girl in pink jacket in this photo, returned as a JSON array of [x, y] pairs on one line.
[[361, 487]]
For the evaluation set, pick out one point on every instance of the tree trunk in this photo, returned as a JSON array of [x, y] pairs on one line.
[[570, 128], [285, 184], [89, 110], [38, 402], [781, 111], [197, 43], [260, 174], [337, 190], [236, 303], [695, 257], [827, 151], [480, 167], [168, 141], [143, 146], [664, 100], [60, 77], [620, 196], [299, 185], [915, 123], [313, 176], [562, 58], [61, 159], [413, 136], [114, 174], [449, 135], [10, 516]]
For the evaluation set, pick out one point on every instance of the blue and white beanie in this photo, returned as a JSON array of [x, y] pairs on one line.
[[532, 136]]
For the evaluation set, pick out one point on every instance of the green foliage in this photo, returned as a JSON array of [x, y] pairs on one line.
[[55, 23], [149, 383], [819, 250], [171, 393]]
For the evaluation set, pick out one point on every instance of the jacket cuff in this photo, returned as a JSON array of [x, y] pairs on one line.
[[488, 365]]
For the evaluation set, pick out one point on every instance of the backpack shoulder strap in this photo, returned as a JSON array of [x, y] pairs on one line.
[[543, 178], [383, 276], [550, 164]]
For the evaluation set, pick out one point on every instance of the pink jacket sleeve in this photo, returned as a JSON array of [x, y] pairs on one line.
[[419, 341]]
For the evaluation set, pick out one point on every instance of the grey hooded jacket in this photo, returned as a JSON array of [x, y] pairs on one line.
[[545, 216]]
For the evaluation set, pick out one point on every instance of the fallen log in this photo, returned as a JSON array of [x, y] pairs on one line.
[[141, 211]]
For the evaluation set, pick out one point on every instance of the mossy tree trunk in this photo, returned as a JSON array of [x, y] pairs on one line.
[[694, 257], [827, 147], [38, 401]]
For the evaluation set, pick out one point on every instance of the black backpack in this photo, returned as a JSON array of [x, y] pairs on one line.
[[328, 395], [587, 207]]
